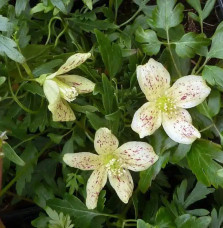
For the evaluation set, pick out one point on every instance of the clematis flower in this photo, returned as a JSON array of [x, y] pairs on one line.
[[112, 162], [167, 104], [60, 87]]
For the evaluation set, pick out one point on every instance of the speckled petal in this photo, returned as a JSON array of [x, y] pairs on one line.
[[179, 128], [73, 62], [61, 111], [146, 120], [153, 79], [122, 184], [81, 84], [95, 184], [105, 141], [137, 156], [189, 91], [83, 160]]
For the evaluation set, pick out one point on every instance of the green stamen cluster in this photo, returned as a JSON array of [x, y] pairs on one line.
[[166, 104]]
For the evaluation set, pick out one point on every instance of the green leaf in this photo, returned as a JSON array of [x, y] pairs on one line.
[[108, 94], [148, 175], [142, 224], [96, 121], [25, 173], [196, 5], [74, 207], [199, 192], [60, 5], [166, 16], [4, 24], [201, 160], [216, 50], [34, 88], [186, 221], [164, 218], [20, 6], [88, 3], [7, 47], [11, 154], [214, 103], [2, 80], [217, 218], [83, 108], [149, 41], [180, 152], [213, 75], [209, 5], [55, 138], [111, 54], [191, 44]]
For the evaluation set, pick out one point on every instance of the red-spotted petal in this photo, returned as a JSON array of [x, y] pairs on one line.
[[83, 160], [95, 184], [179, 128], [123, 185], [105, 141], [73, 62], [146, 120], [189, 91], [81, 84], [153, 79], [137, 156]]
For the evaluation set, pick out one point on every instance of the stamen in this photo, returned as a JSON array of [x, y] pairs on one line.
[[67, 92], [166, 104]]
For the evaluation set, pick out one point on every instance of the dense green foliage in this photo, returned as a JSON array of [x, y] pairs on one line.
[[184, 187]]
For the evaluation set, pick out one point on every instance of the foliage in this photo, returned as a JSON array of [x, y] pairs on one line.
[[184, 187]]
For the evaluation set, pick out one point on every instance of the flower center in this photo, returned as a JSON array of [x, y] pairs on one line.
[[166, 104], [67, 92], [113, 164]]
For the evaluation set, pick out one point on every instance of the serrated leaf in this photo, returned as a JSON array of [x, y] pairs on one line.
[[25, 173], [74, 207], [110, 52], [11, 154], [7, 47], [213, 75], [149, 41], [201, 160], [191, 44], [167, 15]]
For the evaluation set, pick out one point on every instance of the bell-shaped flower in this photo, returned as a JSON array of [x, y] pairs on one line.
[[112, 162], [60, 87], [167, 104]]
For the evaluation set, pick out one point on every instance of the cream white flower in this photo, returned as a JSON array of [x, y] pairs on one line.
[[167, 104], [112, 162], [60, 87]]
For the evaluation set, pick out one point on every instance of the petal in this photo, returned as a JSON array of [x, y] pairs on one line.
[[153, 79], [81, 84], [122, 184], [73, 62], [146, 120], [61, 111], [137, 156], [51, 91], [179, 128], [105, 141], [189, 91], [95, 184], [83, 160]]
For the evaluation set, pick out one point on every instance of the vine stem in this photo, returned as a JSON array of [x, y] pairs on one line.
[[201, 67], [196, 66], [171, 54]]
